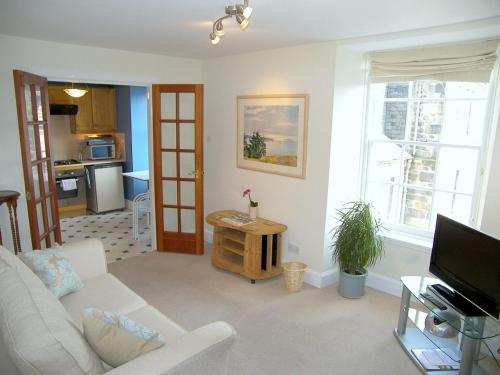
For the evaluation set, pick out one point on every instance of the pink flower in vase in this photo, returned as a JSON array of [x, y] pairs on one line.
[[247, 192]]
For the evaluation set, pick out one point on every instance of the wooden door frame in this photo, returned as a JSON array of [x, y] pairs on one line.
[[197, 89], [42, 82]]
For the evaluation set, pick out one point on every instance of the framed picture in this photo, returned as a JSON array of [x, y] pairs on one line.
[[272, 133]]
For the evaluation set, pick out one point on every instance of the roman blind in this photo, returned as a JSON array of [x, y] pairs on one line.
[[467, 62]]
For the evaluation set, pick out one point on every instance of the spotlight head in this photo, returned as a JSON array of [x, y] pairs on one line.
[[242, 21], [214, 39]]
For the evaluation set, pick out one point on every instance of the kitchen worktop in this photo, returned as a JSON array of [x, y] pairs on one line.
[[85, 163]]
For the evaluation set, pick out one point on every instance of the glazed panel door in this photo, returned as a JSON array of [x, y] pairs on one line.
[[38, 166], [178, 167]]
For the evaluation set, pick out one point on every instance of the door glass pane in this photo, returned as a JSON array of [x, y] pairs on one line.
[[31, 140], [186, 164], [186, 136], [168, 135], [188, 222], [39, 215], [187, 193], [169, 164], [27, 97], [186, 106], [170, 220], [36, 181], [457, 169], [168, 111], [49, 213], [42, 141], [45, 177], [170, 192], [39, 103]]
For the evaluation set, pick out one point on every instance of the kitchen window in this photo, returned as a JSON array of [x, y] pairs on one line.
[[425, 147]]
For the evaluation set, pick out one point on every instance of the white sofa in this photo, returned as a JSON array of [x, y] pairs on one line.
[[42, 335]]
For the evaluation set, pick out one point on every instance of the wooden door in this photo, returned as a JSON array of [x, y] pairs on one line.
[[178, 167], [103, 109], [38, 166]]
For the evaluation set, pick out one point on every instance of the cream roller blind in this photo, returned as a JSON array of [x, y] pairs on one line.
[[467, 62]]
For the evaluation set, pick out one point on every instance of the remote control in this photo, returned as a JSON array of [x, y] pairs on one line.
[[440, 305]]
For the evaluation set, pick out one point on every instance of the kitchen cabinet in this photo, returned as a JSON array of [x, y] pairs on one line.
[[103, 109], [96, 109]]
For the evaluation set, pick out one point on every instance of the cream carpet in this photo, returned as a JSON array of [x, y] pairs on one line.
[[314, 331]]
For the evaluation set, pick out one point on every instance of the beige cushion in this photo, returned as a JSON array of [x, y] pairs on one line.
[[117, 339], [105, 292], [36, 331]]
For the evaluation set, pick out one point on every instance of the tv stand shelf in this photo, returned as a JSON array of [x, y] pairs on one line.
[[464, 349]]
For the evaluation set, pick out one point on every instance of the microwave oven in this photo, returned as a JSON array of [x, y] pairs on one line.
[[100, 148]]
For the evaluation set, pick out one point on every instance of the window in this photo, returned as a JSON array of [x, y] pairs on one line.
[[425, 144]]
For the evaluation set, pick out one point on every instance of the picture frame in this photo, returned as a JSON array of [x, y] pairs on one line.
[[272, 133]]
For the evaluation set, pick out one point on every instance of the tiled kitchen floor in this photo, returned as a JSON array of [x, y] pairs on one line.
[[113, 229]]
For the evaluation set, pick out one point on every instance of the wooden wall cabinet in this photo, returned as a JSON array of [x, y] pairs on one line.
[[96, 109]]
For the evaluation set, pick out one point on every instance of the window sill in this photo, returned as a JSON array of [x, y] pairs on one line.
[[404, 240]]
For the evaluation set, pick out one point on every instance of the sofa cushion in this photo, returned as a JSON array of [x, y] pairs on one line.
[[116, 338], [55, 271], [36, 331], [152, 318], [105, 292]]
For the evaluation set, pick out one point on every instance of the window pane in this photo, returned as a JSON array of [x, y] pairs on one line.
[[397, 90], [426, 119], [457, 169], [456, 206], [417, 207], [428, 89], [467, 90], [394, 120], [384, 162], [464, 122], [419, 166], [385, 199]]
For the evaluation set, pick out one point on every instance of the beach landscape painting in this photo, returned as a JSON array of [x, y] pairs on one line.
[[272, 133]]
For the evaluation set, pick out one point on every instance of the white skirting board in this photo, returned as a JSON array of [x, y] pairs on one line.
[[327, 278]]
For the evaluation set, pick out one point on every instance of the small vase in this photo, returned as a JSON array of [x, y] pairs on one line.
[[252, 212]]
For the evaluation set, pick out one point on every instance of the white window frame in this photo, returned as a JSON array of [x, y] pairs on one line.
[[485, 151]]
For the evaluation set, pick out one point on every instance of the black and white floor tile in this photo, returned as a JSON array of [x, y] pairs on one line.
[[113, 229]]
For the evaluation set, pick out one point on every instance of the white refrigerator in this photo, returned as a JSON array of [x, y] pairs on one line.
[[105, 187]]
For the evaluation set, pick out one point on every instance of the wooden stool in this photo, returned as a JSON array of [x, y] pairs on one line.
[[10, 198]]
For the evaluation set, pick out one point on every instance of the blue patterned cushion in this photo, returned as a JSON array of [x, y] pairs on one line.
[[56, 272], [117, 339]]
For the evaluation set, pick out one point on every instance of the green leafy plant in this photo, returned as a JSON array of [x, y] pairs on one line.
[[356, 240]]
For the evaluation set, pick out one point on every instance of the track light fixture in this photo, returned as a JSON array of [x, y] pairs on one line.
[[241, 12]]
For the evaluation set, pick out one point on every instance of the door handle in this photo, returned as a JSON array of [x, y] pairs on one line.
[[197, 173]]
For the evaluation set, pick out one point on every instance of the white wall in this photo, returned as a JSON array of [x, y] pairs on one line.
[[67, 62], [298, 203]]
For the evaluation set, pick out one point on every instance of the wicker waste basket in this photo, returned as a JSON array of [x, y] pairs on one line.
[[294, 275]]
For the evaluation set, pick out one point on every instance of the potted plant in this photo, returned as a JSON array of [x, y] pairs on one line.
[[356, 245]]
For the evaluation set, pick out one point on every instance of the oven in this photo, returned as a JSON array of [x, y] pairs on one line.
[[70, 196]]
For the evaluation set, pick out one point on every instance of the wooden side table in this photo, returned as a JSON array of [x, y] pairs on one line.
[[253, 250], [9, 197]]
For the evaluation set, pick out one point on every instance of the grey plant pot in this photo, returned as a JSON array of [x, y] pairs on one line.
[[352, 286]]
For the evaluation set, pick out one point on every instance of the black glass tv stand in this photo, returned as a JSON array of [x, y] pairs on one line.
[[459, 302]]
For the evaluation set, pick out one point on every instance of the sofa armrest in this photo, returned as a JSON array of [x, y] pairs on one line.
[[87, 256], [202, 351]]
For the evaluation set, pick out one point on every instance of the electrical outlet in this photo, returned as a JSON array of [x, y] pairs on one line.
[[293, 249]]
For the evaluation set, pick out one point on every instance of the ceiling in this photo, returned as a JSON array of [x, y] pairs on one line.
[[181, 27]]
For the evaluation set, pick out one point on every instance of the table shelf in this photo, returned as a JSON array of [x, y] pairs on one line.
[[253, 250]]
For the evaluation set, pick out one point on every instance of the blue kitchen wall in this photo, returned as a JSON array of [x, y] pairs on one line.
[[131, 119], [123, 125]]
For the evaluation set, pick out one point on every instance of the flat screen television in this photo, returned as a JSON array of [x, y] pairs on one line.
[[469, 262]]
